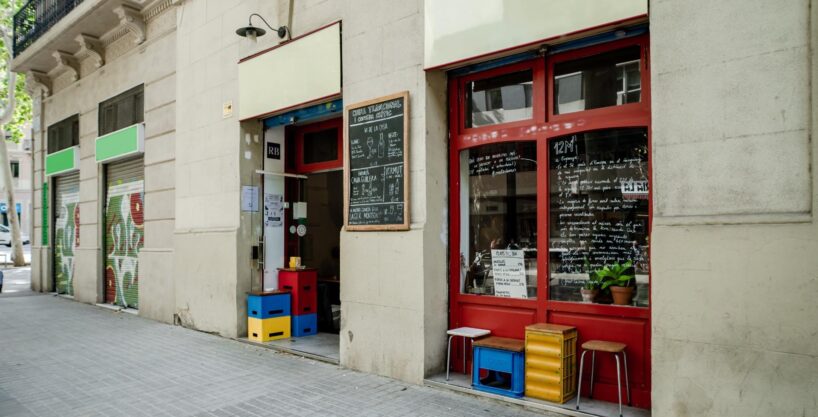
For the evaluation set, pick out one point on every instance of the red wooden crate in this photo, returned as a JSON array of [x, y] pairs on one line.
[[302, 284]]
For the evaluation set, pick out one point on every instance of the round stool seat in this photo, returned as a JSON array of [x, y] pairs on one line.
[[604, 346]]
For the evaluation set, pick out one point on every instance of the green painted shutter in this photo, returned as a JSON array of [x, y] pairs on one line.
[[45, 214]]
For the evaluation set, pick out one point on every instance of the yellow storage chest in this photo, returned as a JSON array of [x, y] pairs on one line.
[[550, 362], [265, 330]]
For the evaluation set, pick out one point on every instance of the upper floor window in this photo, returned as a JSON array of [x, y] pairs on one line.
[[122, 111], [64, 134], [15, 169]]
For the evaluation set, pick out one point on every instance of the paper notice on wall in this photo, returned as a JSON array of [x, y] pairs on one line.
[[508, 268], [249, 198], [273, 210]]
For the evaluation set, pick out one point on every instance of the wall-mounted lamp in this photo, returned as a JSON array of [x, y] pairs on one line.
[[251, 32]]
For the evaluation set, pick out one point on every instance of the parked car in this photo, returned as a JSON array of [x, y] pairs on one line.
[[5, 236]]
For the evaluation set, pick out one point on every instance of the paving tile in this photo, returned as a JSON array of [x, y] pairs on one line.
[[63, 358]]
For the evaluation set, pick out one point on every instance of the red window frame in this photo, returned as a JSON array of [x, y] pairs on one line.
[[301, 131], [506, 316]]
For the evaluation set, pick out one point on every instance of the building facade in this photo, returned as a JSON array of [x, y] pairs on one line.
[[21, 171], [173, 161]]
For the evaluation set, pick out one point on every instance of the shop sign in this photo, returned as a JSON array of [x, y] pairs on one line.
[[4, 207], [273, 150], [120, 144], [64, 161]]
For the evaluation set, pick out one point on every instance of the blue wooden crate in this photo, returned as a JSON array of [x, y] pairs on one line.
[[268, 305], [506, 371], [305, 325]]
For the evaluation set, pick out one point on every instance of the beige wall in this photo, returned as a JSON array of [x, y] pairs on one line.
[[212, 237], [735, 240], [393, 291], [127, 64]]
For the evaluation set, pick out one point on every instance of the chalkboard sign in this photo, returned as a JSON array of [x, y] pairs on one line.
[[376, 171]]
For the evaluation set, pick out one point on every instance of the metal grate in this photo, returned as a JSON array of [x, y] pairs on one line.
[[35, 18]]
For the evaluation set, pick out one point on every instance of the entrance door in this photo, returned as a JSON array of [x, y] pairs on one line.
[[318, 156], [66, 230], [124, 231]]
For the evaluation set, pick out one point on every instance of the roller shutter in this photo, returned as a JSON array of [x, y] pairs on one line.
[[66, 230], [124, 230]]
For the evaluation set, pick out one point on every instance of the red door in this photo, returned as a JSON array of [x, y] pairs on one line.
[[549, 166]]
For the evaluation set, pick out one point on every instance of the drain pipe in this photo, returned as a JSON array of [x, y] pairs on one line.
[[290, 21]]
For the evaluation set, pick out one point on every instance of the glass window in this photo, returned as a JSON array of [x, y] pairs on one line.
[[498, 220], [15, 169], [608, 79], [598, 216], [122, 111], [502, 99], [321, 146], [64, 134]]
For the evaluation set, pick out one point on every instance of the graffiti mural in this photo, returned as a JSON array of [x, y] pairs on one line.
[[66, 240], [124, 237]]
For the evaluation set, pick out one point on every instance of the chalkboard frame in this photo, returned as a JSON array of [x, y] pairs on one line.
[[378, 227]]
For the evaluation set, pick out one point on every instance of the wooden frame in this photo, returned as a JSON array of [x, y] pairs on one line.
[[507, 317], [300, 131], [346, 149]]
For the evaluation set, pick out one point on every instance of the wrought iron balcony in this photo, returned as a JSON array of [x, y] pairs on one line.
[[36, 18]]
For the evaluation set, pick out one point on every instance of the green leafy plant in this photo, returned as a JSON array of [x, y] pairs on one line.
[[594, 282], [616, 275]]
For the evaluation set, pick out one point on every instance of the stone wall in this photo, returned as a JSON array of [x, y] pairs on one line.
[[735, 240]]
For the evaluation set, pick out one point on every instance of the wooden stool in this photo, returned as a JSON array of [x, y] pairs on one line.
[[466, 333], [615, 349], [499, 355]]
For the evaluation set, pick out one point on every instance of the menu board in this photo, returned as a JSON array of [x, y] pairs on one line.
[[509, 273], [376, 180], [599, 203]]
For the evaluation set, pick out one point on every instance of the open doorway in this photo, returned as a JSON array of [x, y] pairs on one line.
[[313, 162], [320, 248]]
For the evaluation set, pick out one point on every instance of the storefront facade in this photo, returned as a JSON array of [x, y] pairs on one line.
[[543, 142], [548, 153]]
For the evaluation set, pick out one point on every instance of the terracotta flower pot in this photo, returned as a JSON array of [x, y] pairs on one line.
[[588, 296], [622, 295]]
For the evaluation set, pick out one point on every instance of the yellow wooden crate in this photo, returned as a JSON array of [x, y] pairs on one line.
[[550, 362], [264, 330]]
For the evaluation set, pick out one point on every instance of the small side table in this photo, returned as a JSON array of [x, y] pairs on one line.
[[470, 333]]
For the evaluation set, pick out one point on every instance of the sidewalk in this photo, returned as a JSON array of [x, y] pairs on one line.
[[63, 358]]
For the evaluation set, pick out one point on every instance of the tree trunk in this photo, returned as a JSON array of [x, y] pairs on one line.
[[17, 255]]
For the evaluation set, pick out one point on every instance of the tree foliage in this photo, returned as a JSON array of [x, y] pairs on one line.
[[22, 111]]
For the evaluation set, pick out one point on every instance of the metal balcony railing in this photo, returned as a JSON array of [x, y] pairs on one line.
[[35, 18]]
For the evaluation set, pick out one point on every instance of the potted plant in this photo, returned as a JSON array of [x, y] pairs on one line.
[[590, 289], [619, 279]]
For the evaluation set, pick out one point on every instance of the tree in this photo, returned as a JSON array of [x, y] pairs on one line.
[[15, 113]]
